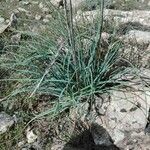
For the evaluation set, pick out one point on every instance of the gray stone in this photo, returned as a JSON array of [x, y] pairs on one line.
[[38, 17], [100, 135], [49, 16], [41, 5], [118, 16], [137, 36], [34, 2], [45, 20], [3, 27], [121, 124], [81, 4], [2, 20], [6, 122], [25, 2], [44, 8], [23, 10], [146, 58], [15, 39]]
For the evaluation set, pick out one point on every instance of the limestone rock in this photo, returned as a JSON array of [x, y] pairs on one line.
[[11, 23], [57, 3], [100, 135], [81, 4], [45, 20], [2, 20], [38, 17], [146, 58], [15, 39], [23, 10], [140, 37], [31, 137], [3, 27], [25, 2], [6, 122], [118, 16], [127, 113]]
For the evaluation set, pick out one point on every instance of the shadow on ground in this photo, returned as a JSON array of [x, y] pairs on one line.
[[87, 138]]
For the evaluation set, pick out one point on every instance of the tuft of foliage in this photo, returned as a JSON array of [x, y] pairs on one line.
[[60, 63]]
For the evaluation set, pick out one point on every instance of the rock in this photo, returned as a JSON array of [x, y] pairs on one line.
[[34, 2], [105, 37], [124, 113], [23, 10], [142, 142], [57, 147], [49, 16], [41, 5], [92, 137], [7, 21], [57, 3], [3, 27], [125, 120], [6, 122], [10, 23], [118, 16], [45, 20], [15, 39], [31, 137], [25, 2], [24, 149], [13, 20], [38, 17], [44, 8], [136, 36], [81, 4], [137, 54], [100, 135], [21, 144], [146, 58], [36, 145], [127, 113], [2, 20]]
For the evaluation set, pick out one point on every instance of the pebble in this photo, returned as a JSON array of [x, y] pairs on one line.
[[21, 143], [2, 20], [45, 10], [16, 12], [45, 20], [49, 16], [31, 137], [6, 122], [38, 17], [34, 2], [15, 39], [23, 10], [41, 5], [25, 2]]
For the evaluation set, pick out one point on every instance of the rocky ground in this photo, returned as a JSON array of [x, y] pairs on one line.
[[124, 120]]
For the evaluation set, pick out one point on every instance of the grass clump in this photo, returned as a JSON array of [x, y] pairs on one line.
[[59, 64]]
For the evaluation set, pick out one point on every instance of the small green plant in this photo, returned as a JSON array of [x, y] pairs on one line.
[[59, 64]]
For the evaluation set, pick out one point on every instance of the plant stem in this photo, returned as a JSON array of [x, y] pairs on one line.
[[99, 34], [71, 35]]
